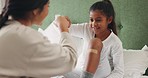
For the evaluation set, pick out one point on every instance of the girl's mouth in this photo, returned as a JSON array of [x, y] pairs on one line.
[[96, 27]]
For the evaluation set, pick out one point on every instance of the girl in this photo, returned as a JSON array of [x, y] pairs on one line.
[[102, 25]]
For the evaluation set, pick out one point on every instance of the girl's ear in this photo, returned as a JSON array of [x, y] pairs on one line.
[[110, 19]]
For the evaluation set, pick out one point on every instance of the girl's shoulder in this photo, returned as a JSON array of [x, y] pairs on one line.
[[112, 40]]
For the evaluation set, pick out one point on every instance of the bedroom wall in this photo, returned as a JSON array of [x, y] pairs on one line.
[[131, 18], [134, 19]]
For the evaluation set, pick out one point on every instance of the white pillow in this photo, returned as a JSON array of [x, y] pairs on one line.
[[52, 33], [135, 61], [145, 48]]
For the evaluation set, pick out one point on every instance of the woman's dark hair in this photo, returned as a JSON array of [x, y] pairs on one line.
[[107, 9], [18, 9]]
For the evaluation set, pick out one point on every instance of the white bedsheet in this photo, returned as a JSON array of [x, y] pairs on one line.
[[144, 77]]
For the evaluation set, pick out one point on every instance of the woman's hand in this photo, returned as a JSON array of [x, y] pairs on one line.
[[63, 23]]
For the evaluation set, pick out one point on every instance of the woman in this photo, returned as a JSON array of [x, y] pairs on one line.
[[24, 52]]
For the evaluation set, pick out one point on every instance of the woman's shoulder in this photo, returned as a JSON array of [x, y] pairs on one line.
[[20, 31]]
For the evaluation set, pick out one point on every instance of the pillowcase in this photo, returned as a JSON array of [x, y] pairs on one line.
[[52, 33], [146, 72], [145, 48], [135, 61]]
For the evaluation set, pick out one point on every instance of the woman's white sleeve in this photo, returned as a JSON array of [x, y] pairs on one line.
[[49, 59]]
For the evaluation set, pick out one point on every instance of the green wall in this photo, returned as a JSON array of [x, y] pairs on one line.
[[134, 19], [131, 18], [77, 10]]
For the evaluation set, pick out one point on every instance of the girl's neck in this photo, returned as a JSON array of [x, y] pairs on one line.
[[103, 35]]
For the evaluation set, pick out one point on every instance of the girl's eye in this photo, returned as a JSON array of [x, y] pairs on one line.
[[98, 20], [91, 20]]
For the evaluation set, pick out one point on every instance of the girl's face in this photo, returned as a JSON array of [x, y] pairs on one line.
[[99, 22]]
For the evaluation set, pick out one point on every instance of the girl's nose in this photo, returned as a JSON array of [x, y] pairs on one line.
[[94, 24]]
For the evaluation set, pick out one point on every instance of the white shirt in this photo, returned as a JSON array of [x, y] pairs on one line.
[[26, 52], [111, 60]]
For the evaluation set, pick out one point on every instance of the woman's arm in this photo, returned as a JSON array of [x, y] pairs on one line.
[[51, 59]]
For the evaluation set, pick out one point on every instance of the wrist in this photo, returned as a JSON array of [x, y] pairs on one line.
[[86, 74], [64, 31]]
